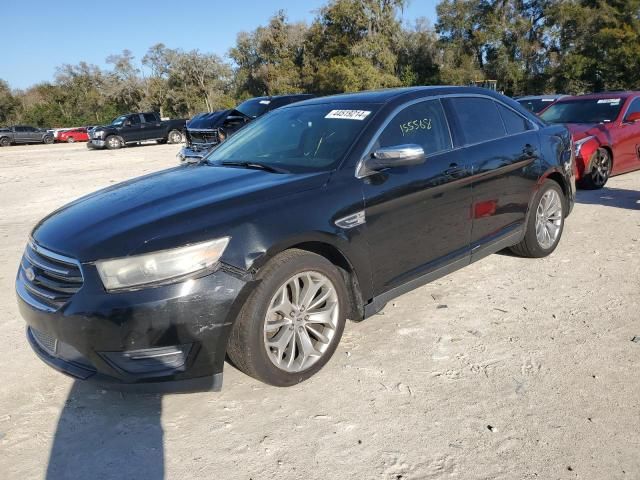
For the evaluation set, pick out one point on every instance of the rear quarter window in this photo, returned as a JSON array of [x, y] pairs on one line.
[[476, 120], [513, 122]]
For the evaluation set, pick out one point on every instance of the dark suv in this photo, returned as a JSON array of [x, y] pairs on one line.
[[320, 211]]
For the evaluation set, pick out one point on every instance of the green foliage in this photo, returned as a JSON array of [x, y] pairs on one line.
[[528, 46]]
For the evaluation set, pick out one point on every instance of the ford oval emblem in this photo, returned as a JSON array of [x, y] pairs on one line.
[[30, 274]]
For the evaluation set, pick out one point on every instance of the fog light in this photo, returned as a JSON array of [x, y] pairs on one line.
[[150, 360]]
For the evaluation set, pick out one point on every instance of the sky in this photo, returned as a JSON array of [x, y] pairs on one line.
[[39, 35]]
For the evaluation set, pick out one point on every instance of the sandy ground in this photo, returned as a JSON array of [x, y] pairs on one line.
[[508, 369]]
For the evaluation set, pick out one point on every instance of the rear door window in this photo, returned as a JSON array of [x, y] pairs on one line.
[[513, 122], [422, 124], [476, 120], [149, 117]]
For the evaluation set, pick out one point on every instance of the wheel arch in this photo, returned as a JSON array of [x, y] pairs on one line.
[[328, 249]]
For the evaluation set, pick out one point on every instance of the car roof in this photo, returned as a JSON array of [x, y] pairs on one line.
[[396, 94], [616, 94], [540, 97], [288, 95]]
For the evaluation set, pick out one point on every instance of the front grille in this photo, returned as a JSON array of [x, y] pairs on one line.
[[46, 341], [49, 278], [203, 139]]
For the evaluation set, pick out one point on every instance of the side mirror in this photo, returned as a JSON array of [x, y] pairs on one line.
[[632, 117], [396, 156]]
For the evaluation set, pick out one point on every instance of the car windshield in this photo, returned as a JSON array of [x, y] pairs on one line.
[[254, 107], [593, 110], [119, 121], [296, 139]]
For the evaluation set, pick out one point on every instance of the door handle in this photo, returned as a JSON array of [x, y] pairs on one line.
[[528, 151], [455, 171]]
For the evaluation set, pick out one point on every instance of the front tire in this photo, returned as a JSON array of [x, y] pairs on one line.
[[292, 323], [546, 222], [601, 165], [113, 142], [5, 142]]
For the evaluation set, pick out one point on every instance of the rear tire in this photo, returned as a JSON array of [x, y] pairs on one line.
[[113, 142], [48, 140], [601, 166], [174, 136], [71, 140], [284, 348], [545, 224]]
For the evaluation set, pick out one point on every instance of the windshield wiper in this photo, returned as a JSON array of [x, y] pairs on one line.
[[254, 165]]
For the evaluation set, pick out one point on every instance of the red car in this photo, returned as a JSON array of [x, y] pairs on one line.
[[73, 135], [606, 131]]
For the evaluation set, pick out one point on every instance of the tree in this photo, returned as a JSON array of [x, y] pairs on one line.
[[269, 59], [8, 103], [350, 46], [596, 45]]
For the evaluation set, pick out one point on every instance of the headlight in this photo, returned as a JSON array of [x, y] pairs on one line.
[[98, 134], [581, 142], [162, 266]]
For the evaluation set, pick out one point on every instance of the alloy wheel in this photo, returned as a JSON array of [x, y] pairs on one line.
[[549, 218], [114, 142], [601, 168], [301, 321]]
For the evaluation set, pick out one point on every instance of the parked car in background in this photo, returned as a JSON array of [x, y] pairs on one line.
[[73, 135], [606, 130], [537, 103], [24, 134], [317, 212], [136, 128], [206, 130]]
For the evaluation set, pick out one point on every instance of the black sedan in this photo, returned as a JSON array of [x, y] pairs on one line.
[[315, 213]]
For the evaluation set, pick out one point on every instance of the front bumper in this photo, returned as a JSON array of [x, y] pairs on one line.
[[188, 154], [92, 335], [96, 144]]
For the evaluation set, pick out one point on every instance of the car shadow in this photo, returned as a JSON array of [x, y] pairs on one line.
[[610, 197], [104, 434]]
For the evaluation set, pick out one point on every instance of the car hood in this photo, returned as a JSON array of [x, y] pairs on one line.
[[166, 209], [210, 120], [581, 130]]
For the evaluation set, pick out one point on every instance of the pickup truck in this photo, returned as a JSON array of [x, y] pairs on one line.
[[206, 130], [24, 134], [135, 128]]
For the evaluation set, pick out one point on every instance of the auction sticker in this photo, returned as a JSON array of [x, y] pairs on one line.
[[612, 101], [348, 114]]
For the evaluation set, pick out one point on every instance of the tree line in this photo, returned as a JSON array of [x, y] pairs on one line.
[[528, 46]]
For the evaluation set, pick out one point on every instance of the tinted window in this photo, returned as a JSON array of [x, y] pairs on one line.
[[634, 107], [423, 124], [20, 129], [254, 107], [513, 122], [478, 119], [149, 117], [587, 110], [134, 119]]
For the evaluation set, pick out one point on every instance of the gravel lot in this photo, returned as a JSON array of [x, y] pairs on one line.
[[508, 369]]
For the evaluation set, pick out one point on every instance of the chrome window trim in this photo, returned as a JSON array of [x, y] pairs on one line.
[[361, 172]]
